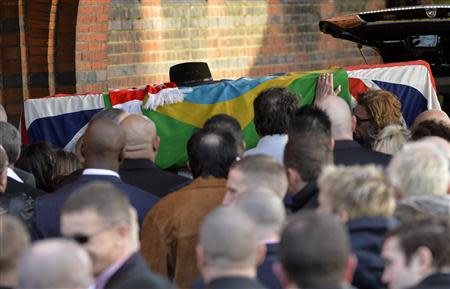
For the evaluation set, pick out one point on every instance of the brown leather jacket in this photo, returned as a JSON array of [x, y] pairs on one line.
[[170, 230]]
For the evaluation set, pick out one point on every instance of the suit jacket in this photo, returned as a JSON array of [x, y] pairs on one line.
[[434, 281], [235, 283], [169, 233], [27, 178], [15, 187], [134, 274], [144, 174], [48, 207], [349, 152]]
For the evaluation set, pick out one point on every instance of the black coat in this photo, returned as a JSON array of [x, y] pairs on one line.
[[349, 152], [367, 237], [434, 281], [134, 274], [144, 174], [235, 283]]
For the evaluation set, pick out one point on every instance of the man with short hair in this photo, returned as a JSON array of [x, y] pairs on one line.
[[346, 150], [227, 250], [272, 108], [417, 255], [362, 198], [433, 115], [255, 173], [308, 150], [14, 239], [170, 230], [230, 124], [103, 150], [138, 167], [19, 180], [428, 128], [54, 263], [18, 204], [315, 253], [100, 218], [420, 168]]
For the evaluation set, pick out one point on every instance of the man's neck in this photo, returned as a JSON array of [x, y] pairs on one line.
[[212, 274]]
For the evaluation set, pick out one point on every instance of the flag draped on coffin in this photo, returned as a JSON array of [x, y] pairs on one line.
[[412, 82], [176, 122], [61, 120]]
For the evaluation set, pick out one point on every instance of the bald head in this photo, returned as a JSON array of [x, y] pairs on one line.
[[141, 138], [431, 114], [267, 212], [61, 264], [341, 118], [225, 251], [103, 144]]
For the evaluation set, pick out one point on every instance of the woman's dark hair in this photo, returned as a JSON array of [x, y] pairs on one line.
[[38, 159]]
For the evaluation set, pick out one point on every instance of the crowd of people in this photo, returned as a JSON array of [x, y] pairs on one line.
[[335, 195]]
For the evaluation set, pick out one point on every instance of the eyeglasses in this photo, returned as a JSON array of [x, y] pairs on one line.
[[359, 119], [83, 239]]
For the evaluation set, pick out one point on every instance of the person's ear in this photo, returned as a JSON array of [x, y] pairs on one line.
[[331, 145], [423, 260], [155, 143], [343, 216], [281, 274], [3, 179], [353, 123], [201, 258], [350, 267], [261, 254]]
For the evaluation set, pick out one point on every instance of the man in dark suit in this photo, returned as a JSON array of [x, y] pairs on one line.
[[19, 181], [100, 218], [138, 167], [103, 144], [315, 253], [346, 150], [228, 250], [416, 255]]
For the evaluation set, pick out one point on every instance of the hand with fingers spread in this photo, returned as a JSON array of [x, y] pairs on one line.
[[325, 90]]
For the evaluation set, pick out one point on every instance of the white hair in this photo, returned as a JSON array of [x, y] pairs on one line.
[[420, 168]]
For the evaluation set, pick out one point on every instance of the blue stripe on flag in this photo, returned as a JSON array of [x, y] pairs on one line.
[[59, 129], [412, 100], [223, 91]]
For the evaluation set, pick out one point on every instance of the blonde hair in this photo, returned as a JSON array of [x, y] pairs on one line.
[[382, 106], [359, 190], [391, 139]]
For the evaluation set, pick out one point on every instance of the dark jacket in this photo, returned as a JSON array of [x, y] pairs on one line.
[[135, 274], [349, 152], [307, 198], [20, 205], [144, 174], [235, 283], [434, 281], [367, 236], [48, 207], [14, 187], [265, 272], [27, 178]]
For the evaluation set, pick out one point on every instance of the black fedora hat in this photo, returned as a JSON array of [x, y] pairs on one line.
[[190, 73]]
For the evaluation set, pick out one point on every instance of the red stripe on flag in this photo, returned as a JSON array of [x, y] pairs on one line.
[[119, 96], [356, 87]]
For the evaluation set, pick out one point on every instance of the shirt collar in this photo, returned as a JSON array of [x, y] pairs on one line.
[[12, 174], [101, 172]]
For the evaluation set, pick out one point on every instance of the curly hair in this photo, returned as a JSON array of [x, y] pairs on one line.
[[383, 107]]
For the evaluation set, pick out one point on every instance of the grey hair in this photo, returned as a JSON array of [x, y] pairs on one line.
[[420, 168]]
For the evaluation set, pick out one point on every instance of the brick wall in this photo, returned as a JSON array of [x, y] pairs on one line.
[[68, 46], [235, 38]]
